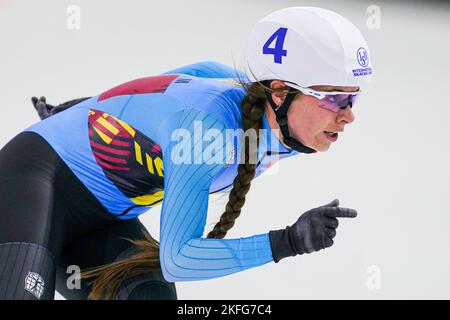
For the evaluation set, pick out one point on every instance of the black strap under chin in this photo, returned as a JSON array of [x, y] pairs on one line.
[[281, 116]]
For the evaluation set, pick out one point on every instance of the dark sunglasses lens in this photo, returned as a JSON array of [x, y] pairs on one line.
[[347, 100]]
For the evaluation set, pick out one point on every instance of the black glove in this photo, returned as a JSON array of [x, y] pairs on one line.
[[313, 231], [46, 110], [43, 109]]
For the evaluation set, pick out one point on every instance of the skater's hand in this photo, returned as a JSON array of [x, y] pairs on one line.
[[313, 231], [46, 110], [43, 109]]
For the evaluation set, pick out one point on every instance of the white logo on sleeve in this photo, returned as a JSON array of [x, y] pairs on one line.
[[34, 284]]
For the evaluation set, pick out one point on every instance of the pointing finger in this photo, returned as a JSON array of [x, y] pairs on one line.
[[346, 213], [341, 212]]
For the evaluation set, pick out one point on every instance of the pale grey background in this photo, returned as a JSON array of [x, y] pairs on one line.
[[391, 164]]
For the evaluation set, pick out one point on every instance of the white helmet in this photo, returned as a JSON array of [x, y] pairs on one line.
[[308, 46]]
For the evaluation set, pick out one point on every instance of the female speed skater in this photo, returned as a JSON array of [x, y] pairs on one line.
[[74, 184]]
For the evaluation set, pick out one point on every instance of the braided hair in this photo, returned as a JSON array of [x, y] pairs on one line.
[[252, 107]]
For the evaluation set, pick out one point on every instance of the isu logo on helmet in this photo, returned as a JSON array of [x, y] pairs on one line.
[[363, 57], [34, 284]]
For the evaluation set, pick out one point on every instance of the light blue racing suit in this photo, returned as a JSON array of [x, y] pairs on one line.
[[130, 146]]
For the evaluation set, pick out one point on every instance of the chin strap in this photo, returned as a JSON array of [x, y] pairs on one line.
[[281, 115]]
